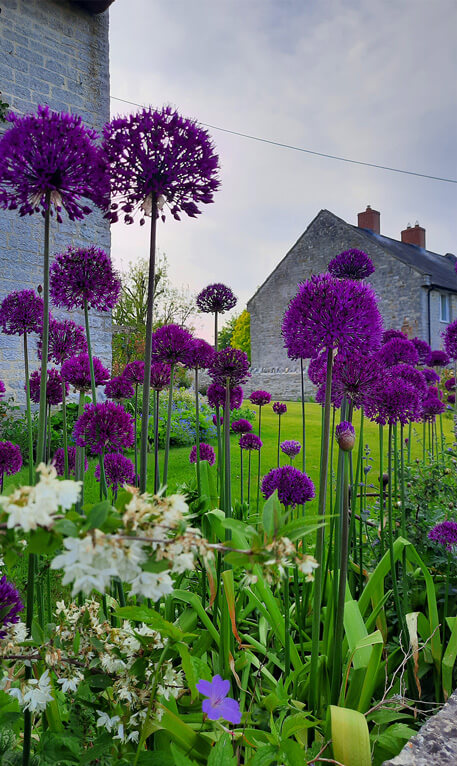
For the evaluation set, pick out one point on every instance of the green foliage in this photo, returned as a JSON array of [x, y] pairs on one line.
[[3, 108], [225, 334], [241, 337]]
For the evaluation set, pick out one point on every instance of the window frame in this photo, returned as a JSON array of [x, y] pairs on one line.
[[445, 317]]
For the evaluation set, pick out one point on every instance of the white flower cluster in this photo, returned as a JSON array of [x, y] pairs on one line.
[[34, 694], [281, 554], [32, 507]]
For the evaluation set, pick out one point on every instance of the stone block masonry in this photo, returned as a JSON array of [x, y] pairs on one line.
[[51, 52]]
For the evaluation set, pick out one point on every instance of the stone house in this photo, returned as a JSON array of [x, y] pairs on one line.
[[52, 52], [417, 290]]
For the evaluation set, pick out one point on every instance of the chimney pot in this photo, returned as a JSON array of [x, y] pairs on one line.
[[414, 236], [369, 219]]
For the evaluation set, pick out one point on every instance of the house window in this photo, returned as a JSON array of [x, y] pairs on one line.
[[445, 308]]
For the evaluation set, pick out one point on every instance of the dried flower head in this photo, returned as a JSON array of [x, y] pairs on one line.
[[217, 298], [438, 358], [53, 387], [260, 398], [450, 340], [10, 459], [66, 339], [59, 461], [216, 396], [290, 447], [51, 153], [21, 312], [76, 371], [250, 442], [331, 313], [119, 470], [171, 344], [241, 426], [84, 274], [230, 367], [157, 154], [293, 486], [206, 453], [351, 264], [104, 427], [119, 388], [422, 348]]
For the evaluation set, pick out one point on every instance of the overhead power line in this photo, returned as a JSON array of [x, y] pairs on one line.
[[309, 151]]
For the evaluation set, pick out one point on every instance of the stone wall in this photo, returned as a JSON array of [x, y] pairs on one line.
[[51, 52], [399, 287]]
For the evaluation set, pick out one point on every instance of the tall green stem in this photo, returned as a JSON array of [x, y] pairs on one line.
[[259, 463], [381, 486], [197, 432], [303, 415], [148, 350], [286, 625], [79, 458], [135, 426], [64, 427], [249, 477], [215, 332], [167, 438], [338, 643], [393, 569], [227, 471], [40, 454], [241, 476], [156, 441], [313, 683], [103, 487], [29, 409], [279, 436]]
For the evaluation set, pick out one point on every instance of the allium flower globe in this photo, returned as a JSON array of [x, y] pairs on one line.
[[450, 384], [59, 461], [53, 387], [393, 400], [241, 426], [290, 447], [351, 264], [134, 372], [104, 428], [330, 313], [76, 371], [84, 275], [216, 298], [260, 398], [216, 396], [66, 339], [230, 367], [119, 388], [431, 376], [444, 533], [200, 354], [431, 407], [438, 358], [391, 334], [206, 453], [51, 153], [293, 486], [398, 350], [160, 376], [345, 436], [10, 605], [2, 389], [171, 344], [353, 377], [279, 408], [422, 348], [119, 470], [21, 312], [10, 459], [157, 154], [450, 340], [250, 442]]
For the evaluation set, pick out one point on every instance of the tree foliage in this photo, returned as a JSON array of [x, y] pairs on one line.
[[241, 336], [224, 336]]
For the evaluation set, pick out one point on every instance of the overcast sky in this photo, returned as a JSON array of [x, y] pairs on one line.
[[369, 81]]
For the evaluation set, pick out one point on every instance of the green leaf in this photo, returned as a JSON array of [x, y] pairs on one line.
[[154, 619], [272, 515], [179, 757], [291, 753], [66, 528], [42, 541], [294, 723], [449, 658], [188, 669], [350, 738], [98, 515], [265, 756], [195, 603], [222, 753]]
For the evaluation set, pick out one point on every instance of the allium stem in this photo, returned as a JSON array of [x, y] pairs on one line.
[[197, 432], [40, 456], [64, 427], [410, 429], [29, 412], [259, 463], [313, 682], [167, 438], [303, 415], [32, 565], [344, 552], [148, 351], [156, 441], [135, 426], [79, 458], [103, 487], [241, 476], [279, 437], [455, 403], [220, 460], [393, 570], [381, 487], [48, 441], [227, 471], [249, 476], [216, 342], [286, 625]]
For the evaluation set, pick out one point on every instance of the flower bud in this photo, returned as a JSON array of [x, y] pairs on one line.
[[345, 436]]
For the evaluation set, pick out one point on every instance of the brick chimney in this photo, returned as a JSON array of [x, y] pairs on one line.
[[370, 219], [414, 235]]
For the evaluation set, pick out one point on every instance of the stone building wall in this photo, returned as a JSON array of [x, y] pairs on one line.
[[399, 287], [51, 52]]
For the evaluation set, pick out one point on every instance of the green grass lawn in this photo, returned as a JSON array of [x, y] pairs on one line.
[[180, 470]]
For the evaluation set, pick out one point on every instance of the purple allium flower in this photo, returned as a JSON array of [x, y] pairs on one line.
[[279, 408], [10, 459], [450, 384], [160, 375], [200, 354], [134, 372], [445, 533], [293, 486], [119, 470], [431, 407], [413, 376], [171, 344], [393, 400], [59, 461], [241, 426], [438, 358], [230, 367], [83, 274], [221, 419], [317, 369], [2, 389], [218, 705], [331, 313], [260, 398], [391, 334], [158, 153], [290, 448], [104, 427], [353, 377], [351, 264], [51, 152], [53, 387], [119, 388], [216, 396], [76, 371], [398, 350], [451, 399], [206, 453], [450, 340], [345, 435], [250, 442], [10, 604], [422, 348], [20, 312], [216, 298], [431, 376], [66, 339]]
